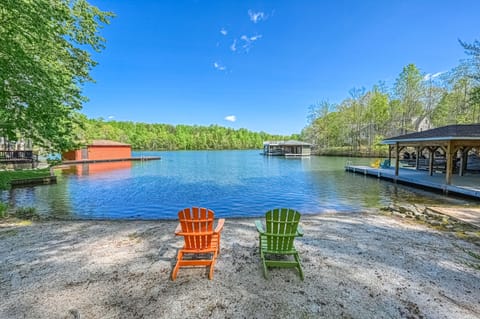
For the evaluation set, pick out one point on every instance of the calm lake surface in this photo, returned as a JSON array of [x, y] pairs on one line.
[[232, 183]]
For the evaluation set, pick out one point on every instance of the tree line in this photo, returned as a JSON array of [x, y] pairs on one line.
[[417, 101], [143, 136]]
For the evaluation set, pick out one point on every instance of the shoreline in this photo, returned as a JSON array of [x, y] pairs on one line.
[[356, 265]]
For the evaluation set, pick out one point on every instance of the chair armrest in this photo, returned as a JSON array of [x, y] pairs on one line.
[[259, 226], [299, 231], [219, 227], [178, 230]]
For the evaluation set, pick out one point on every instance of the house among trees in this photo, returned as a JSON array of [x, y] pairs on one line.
[[17, 154], [100, 150]]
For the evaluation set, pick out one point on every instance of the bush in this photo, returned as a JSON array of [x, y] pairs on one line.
[[3, 210], [54, 161], [26, 213]]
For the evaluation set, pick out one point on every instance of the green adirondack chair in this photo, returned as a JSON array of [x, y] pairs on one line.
[[278, 237]]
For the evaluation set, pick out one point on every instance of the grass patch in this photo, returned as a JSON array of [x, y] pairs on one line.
[[7, 176], [3, 210], [28, 213]]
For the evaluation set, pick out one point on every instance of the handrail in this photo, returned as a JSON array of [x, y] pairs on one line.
[[18, 155]]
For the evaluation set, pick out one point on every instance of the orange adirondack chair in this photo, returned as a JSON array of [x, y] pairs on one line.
[[196, 227]]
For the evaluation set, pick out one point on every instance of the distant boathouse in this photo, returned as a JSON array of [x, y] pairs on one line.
[[287, 148]]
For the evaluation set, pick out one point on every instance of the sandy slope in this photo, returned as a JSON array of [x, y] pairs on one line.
[[356, 266]]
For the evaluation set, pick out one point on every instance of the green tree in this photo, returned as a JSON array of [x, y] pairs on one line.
[[45, 57], [409, 89], [458, 104], [354, 108], [318, 131], [376, 115]]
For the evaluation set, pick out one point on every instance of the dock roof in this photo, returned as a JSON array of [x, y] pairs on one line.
[[107, 143], [287, 143], [444, 133]]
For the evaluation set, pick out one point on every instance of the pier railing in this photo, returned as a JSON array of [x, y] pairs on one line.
[[18, 157]]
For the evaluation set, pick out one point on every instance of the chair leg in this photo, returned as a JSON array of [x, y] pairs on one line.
[[177, 266], [264, 263], [265, 270], [214, 258], [299, 266]]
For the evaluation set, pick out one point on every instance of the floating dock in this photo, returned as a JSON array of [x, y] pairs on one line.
[[467, 185], [87, 161]]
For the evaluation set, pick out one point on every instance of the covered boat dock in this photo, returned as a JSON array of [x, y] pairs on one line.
[[289, 148], [441, 160]]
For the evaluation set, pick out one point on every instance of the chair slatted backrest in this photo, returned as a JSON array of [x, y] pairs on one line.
[[197, 227], [281, 228]]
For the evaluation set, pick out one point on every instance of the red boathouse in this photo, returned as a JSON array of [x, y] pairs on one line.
[[102, 150]]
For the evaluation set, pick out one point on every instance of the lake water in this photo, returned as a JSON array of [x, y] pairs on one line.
[[232, 183]]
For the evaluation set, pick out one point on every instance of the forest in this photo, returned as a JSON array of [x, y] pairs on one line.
[[143, 136], [416, 101]]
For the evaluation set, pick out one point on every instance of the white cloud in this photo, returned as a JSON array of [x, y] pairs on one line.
[[230, 118], [218, 66], [256, 37], [430, 76], [233, 47], [256, 16], [111, 117], [223, 31], [248, 41]]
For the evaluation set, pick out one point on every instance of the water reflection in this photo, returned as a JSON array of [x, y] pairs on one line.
[[86, 169], [233, 183]]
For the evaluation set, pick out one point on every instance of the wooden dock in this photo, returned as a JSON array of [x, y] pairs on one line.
[[34, 181], [87, 161], [467, 185]]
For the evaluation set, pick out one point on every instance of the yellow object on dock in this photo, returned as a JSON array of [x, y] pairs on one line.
[[376, 164]]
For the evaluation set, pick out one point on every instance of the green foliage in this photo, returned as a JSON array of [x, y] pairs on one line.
[[45, 58], [144, 136], [53, 161], [26, 213], [409, 89], [3, 210], [7, 176]]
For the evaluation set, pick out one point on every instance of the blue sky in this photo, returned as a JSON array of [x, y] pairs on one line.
[[259, 65]]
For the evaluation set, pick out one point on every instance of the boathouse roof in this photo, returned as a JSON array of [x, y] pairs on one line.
[[287, 143], [444, 133], [107, 143]]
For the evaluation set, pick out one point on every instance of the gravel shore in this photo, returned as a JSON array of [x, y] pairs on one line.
[[358, 265]]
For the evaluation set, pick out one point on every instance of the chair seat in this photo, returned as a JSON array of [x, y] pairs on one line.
[[277, 238], [200, 239]]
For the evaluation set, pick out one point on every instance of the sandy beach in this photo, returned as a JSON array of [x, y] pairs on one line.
[[358, 265]]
